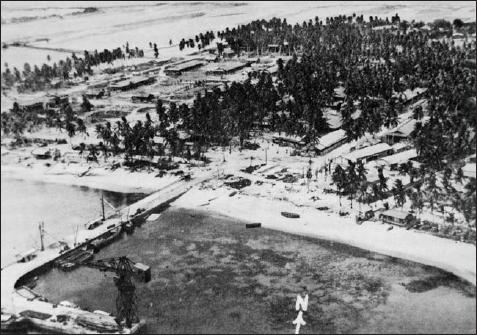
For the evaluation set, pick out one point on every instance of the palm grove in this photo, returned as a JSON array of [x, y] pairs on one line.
[[375, 66]]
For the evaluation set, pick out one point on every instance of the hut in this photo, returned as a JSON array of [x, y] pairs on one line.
[[26, 256], [396, 217], [296, 141], [228, 53], [273, 48]]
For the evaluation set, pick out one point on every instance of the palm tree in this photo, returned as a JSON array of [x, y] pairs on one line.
[[71, 129], [93, 153], [338, 178], [81, 127], [399, 194], [104, 150], [82, 148]]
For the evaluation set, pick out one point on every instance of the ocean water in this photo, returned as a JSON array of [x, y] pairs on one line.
[[62, 208], [139, 23]]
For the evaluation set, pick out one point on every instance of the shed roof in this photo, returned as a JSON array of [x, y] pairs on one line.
[[366, 152], [469, 170], [400, 145], [396, 214], [26, 253], [330, 139], [401, 157], [186, 65], [404, 129], [122, 83]]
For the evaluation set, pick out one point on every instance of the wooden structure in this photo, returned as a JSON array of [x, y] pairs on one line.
[[330, 141], [369, 153], [26, 256], [290, 215], [131, 83], [178, 69], [396, 217]]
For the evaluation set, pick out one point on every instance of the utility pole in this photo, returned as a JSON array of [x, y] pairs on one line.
[[102, 205], [41, 227]]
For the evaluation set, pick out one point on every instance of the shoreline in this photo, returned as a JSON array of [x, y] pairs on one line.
[[455, 257], [116, 181]]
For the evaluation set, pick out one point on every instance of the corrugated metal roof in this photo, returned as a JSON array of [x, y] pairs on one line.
[[396, 214], [401, 157], [330, 139], [469, 170], [369, 151], [183, 66]]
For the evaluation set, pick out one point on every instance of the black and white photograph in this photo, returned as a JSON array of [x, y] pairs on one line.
[[238, 167]]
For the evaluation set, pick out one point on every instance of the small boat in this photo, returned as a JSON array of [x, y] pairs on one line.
[[290, 215], [73, 259], [106, 239], [390, 228]]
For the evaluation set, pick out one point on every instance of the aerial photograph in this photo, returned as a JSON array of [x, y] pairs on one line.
[[271, 167]]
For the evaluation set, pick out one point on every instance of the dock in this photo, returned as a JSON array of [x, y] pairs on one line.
[[15, 303]]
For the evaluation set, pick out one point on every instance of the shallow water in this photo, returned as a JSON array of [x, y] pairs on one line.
[[211, 275], [62, 208]]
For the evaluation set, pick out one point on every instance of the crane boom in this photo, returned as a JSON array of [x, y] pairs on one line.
[[125, 269]]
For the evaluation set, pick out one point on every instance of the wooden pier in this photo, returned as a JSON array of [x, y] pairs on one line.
[[16, 273]]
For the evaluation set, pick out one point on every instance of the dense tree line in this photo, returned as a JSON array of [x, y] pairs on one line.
[[40, 78], [201, 41]]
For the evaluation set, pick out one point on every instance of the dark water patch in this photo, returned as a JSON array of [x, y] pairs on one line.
[[210, 274], [442, 279]]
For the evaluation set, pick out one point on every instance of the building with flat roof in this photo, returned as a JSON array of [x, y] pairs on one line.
[[469, 170], [330, 141], [226, 68], [402, 157], [131, 83], [178, 69], [369, 153]]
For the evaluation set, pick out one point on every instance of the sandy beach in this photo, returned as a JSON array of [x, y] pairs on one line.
[[456, 257]]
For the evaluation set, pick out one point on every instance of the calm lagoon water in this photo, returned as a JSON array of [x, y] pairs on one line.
[[62, 208]]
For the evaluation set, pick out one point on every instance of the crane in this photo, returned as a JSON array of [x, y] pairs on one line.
[[125, 269]]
